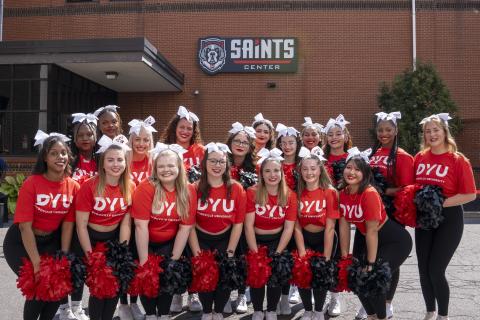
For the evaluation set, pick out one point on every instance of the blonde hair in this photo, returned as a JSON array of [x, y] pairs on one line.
[[124, 181], [181, 186], [449, 141], [261, 196], [130, 144], [324, 181]]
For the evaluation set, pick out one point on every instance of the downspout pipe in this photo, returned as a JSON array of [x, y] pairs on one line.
[[414, 36], [1, 20]]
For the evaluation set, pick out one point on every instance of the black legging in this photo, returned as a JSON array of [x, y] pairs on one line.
[[219, 296], [160, 305], [273, 293], [394, 246], [14, 251], [435, 249], [314, 241]]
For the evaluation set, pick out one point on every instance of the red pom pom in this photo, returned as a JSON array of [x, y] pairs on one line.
[[405, 209], [26, 279], [205, 272], [100, 278], [258, 267], [343, 265], [55, 279], [147, 278], [302, 272]]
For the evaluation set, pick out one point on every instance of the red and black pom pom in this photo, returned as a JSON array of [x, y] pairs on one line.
[[258, 267], [302, 272], [147, 278], [343, 265], [205, 272], [176, 276], [429, 201], [232, 270], [405, 209], [101, 280]]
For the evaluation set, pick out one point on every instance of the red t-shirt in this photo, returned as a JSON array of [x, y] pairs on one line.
[[234, 172], [105, 210], [46, 203], [218, 212], [271, 215], [289, 172], [164, 221], [193, 156], [318, 205], [403, 168], [328, 165], [450, 171], [140, 170], [85, 169]]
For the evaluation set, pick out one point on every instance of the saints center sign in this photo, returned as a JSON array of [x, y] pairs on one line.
[[260, 54]]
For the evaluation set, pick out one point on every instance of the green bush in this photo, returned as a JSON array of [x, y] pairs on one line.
[[10, 188]]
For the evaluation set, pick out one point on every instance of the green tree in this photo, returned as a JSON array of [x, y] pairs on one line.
[[417, 94]]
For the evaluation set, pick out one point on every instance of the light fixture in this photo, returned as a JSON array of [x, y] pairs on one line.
[[271, 85], [196, 92], [111, 75]]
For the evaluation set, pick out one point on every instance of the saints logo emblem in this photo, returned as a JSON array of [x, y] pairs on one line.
[[212, 54]]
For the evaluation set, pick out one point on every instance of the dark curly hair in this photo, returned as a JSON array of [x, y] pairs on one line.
[[169, 135]]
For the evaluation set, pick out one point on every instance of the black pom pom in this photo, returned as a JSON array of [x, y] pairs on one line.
[[282, 265], [121, 260], [338, 167], [194, 174], [233, 272], [247, 179], [429, 201], [324, 273], [371, 283], [78, 269], [176, 276], [382, 185]]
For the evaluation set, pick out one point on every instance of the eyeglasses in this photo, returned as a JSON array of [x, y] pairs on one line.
[[241, 143], [289, 144], [215, 162]]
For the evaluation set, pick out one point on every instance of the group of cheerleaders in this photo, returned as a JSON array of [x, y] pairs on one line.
[[134, 191]]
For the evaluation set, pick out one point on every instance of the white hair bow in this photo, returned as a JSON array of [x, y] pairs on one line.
[[353, 152], [41, 136], [393, 116], [259, 118], [439, 116], [160, 147], [184, 113], [315, 152], [80, 117], [284, 131], [237, 127], [217, 147], [120, 140], [309, 123], [339, 121], [110, 107], [136, 125], [274, 154]]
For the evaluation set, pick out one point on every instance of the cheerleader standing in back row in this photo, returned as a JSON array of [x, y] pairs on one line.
[[219, 218], [164, 208], [315, 227], [270, 220], [439, 163], [264, 132], [376, 236], [311, 134], [84, 139], [109, 121], [44, 219]]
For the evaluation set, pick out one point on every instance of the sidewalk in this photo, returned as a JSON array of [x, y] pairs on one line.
[[463, 275]]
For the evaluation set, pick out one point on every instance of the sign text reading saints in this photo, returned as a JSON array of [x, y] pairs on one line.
[[247, 54]]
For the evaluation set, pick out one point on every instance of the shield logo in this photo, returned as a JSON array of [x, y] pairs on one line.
[[212, 54]]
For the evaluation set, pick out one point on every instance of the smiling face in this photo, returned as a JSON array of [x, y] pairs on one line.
[[288, 145], [336, 138], [109, 124], [310, 138], [352, 174], [114, 162], [272, 173], [216, 164], [262, 134], [85, 138], [240, 145], [310, 171], [434, 135], [57, 158], [386, 133], [142, 142], [167, 169], [184, 132]]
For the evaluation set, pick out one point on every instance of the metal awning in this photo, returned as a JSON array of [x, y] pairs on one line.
[[139, 66]]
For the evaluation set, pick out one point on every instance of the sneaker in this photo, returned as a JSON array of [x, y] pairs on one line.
[[194, 304], [389, 310], [152, 317], [258, 315], [79, 313], [334, 307], [217, 316], [283, 306], [439, 317], [136, 312], [307, 315], [66, 313], [247, 295], [176, 306], [241, 304], [164, 317], [207, 316], [227, 308], [430, 315], [271, 315], [361, 314], [124, 312], [318, 315], [293, 295]]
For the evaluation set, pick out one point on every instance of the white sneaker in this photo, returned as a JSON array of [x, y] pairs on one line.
[[361, 314], [271, 315], [318, 315], [136, 312], [79, 313], [217, 316], [66, 314], [334, 307], [151, 317], [241, 304], [194, 304], [389, 310], [283, 307], [258, 315], [124, 312], [439, 317], [176, 306], [430, 315], [247, 294], [164, 317], [293, 295], [227, 308], [207, 316], [307, 315]]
